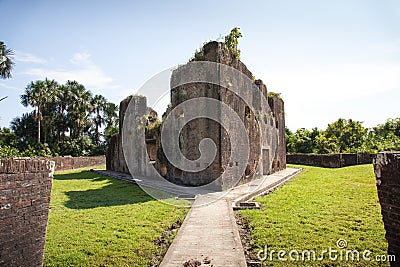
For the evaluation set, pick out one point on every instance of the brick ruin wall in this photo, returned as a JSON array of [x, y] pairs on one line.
[[115, 159], [278, 109], [330, 160], [71, 163], [387, 173], [25, 186], [198, 129]]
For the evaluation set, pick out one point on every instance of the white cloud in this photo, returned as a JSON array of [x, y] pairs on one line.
[[27, 57], [85, 72], [81, 58]]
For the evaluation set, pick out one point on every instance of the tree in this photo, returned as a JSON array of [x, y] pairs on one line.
[[66, 120], [349, 135], [341, 136], [7, 137], [98, 104], [111, 115], [60, 116], [384, 137], [25, 128], [38, 95], [6, 61], [231, 41], [79, 109]]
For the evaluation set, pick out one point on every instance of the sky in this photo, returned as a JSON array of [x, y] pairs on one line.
[[328, 59]]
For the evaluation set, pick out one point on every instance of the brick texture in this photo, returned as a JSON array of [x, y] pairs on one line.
[[70, 163], [25, 186], [330, 160], [387, 172], [264, 157]]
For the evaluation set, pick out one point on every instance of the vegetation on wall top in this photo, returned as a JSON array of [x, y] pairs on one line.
[[231, 42]]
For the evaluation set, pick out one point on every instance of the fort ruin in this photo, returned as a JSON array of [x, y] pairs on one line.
[[267, 146]]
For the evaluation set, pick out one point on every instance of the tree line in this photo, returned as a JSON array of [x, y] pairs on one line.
[[67, 119], [345, 136]]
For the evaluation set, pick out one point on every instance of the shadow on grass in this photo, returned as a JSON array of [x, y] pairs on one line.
[[111, 193]]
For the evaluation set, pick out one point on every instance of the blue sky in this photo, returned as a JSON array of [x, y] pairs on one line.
[[329, 59]]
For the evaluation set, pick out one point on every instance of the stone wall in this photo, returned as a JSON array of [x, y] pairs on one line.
[[278, 109], [135, 148], [330, 160], [25, 186], [260, 162], [70, 163], [151, 146], [387, 172], [115, 159], [267, 145]]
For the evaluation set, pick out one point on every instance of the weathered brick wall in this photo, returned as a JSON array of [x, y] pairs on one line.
[[25, 186], [151, 149], [322, 160], [267, 147], [330, 160], [277, 107], [198, 129], [387, 172], [115, 159], [365, 158], [70, 163]]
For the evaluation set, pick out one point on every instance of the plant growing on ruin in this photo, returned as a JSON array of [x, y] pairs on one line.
[[274, 94], [231, 42]]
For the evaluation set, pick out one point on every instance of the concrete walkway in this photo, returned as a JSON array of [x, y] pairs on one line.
[[209, 233]]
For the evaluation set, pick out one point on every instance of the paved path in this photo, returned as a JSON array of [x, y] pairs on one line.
[[209, 232]]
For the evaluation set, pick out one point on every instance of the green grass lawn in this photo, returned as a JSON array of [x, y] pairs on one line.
[[99, 221], [313, 211]]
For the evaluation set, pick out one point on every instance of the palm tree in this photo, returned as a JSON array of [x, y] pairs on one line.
[[98, 104], [38, 94], [64, 99], [111, 115], [49, 108], [79, 109], [6, 61]]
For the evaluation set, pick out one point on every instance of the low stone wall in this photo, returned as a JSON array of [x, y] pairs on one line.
[[387, 172], [25, 186], [70, 163], [330, 160]]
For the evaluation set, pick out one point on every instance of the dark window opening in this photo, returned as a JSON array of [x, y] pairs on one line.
[[247, 113], [247, 171]]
